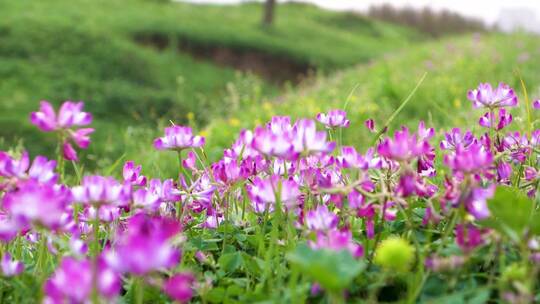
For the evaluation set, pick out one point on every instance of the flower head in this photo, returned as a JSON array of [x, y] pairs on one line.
[[73, 280], [334, 118], [10, 267], [70, 115], [486, 96], [307, 140], [497, 122], [403, 146], [475, 159], [337, 240], [179, 287], [456, 139], [101, 190], [321, 219], [133, 175], [265, 192], [41, 170], [468, 236], [178, 138], [145, 245], [34, 203]]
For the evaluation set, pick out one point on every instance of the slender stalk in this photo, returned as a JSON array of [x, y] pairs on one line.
[[42, 252], [139, 290], [95, 254], [60, 156]]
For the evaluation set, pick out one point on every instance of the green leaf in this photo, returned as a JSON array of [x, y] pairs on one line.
[[229, 262], [480, 297], [535, 223], [215, 295], [333, 270], [512, 211], [251, 264]]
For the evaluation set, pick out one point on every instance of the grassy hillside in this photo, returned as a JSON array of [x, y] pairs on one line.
[[376, 90], [86, 50]]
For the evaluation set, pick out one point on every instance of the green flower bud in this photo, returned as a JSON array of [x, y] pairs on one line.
[[394, 254]]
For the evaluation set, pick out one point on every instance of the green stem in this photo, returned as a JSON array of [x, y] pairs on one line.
[[95, 254], [139, 290], [42, 251], [60, 156]]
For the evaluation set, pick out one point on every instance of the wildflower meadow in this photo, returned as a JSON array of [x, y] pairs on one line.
[[289, 214]]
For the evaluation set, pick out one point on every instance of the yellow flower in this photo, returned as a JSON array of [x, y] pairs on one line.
[[457, 103], [234, 122], [190, 116], [267, 106]]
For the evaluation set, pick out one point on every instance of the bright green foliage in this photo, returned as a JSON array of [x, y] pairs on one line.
[[375, 91], [512, 212], [86, 50], [334, 271]]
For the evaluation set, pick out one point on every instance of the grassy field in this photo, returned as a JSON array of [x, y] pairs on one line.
[[376, 90], [86, 50], [258, 228]]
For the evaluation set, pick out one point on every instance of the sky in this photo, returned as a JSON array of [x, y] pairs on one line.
[[524, 12]]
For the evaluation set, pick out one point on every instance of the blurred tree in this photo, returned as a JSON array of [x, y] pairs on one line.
[[268, 16], [434, 23]]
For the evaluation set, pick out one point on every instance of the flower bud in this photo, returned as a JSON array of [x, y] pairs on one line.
[[395, 254]]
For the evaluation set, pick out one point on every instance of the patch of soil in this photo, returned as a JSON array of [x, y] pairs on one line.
[[274, 68]]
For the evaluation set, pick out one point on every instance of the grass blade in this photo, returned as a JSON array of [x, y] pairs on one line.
[[527, 104], [399, 109]]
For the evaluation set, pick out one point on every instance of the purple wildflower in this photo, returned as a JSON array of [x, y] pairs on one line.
[[132, 174], [11, 267], [321, 219], [475, 159], [100, 190], [476, 202], [497, 122], [457, 139], [178, 138], [370, 125], [403, 147], [34, 203], [73, 280], [165, 190], [146, 199], [265, 192], [486, 96], [468, 237], [70, 115], [41, 170], [307, 140], [145, 245], [190, 161], [180, 287], [337, 240], [334, 118]]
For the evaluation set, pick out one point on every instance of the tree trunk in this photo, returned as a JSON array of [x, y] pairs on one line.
[[268, 17]]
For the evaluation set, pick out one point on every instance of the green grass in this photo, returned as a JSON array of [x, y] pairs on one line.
[[85, 50], [374, 91]]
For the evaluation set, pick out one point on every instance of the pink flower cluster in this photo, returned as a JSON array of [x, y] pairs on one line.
[[69, 116], [132, 227]]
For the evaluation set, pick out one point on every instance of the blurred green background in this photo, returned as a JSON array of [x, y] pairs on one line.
[[141, 64]]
